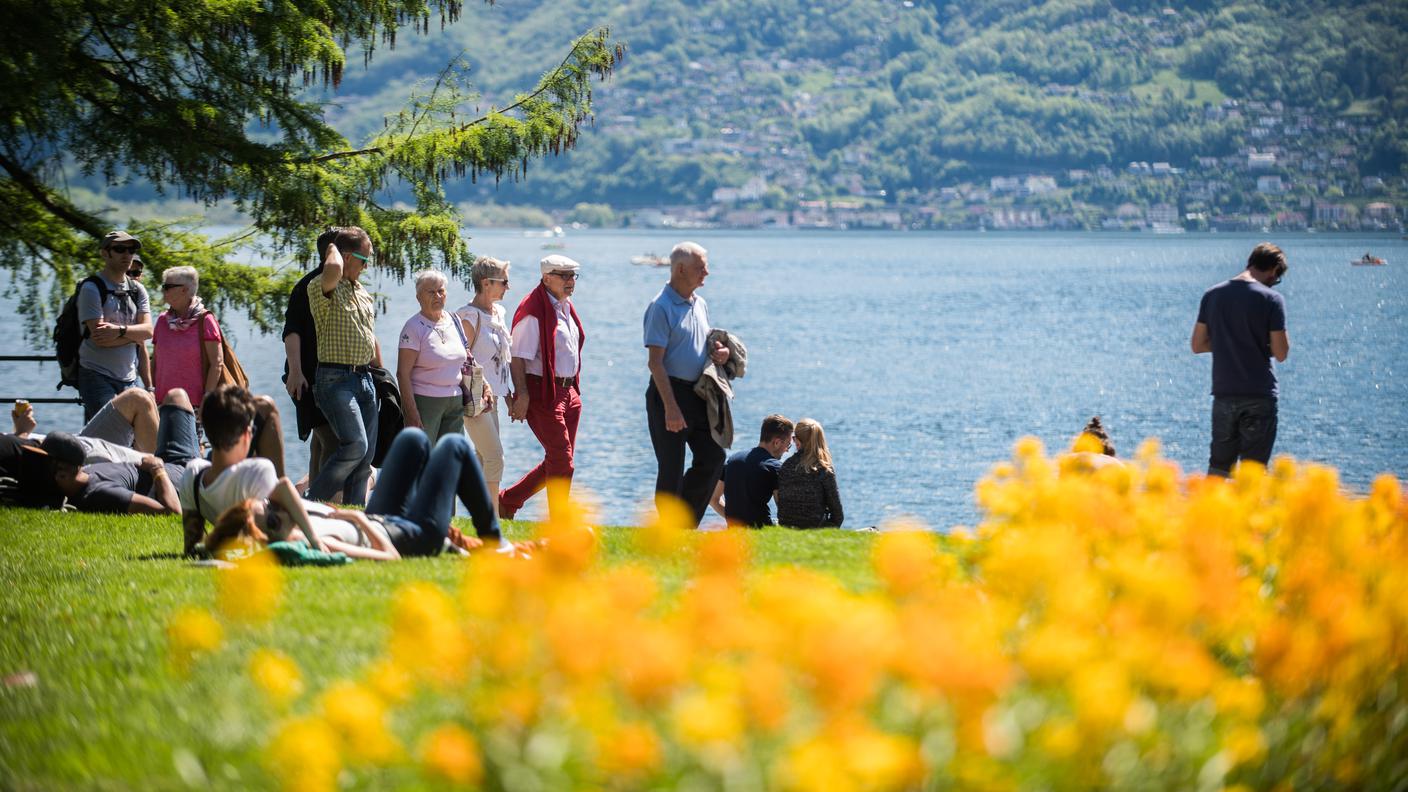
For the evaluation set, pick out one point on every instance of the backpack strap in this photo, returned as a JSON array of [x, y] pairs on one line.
[[103, 292]]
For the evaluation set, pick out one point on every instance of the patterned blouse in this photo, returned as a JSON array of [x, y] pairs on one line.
[[807, 499]]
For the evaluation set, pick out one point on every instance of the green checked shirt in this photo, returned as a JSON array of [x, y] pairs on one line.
[[345, 321]]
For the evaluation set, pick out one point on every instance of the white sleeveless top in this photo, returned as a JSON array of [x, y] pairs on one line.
[[491, 345]]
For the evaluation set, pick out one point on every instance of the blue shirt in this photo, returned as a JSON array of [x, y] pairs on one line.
[[750, 479], [681, 328], [1241, 315]]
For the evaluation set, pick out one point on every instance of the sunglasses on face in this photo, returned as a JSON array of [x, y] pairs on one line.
[[567, 276], [120, 249], [169, 286], [365, 259], [135, 272], [504, 281]]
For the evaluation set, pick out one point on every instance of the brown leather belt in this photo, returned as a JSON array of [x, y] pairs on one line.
[[562, 382]]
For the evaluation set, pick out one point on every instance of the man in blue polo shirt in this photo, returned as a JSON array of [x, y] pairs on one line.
[[1242, 322], [676, 338]]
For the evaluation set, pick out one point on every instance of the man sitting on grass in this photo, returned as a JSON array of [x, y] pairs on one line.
[[231, 475], [147, 486], [750, 477]]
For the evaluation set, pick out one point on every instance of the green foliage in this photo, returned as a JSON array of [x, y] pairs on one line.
[[218, 102]]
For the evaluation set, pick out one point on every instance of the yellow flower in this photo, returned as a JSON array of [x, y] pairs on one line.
[[392, 683], [704, 719], [631, 750], [665, 529], [359, 719], [722, 553], [277, 675], [452, 754], [250, 590], [426, 636], [1087, 443], [906, 560], [192, 632], [304, 755]]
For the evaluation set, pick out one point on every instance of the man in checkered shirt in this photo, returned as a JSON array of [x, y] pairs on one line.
[[345, 319]]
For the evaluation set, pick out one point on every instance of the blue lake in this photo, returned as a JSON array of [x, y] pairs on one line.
[[925, 356]]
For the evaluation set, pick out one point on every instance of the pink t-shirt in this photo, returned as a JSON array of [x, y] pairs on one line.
[[440, 354], [177, 356]]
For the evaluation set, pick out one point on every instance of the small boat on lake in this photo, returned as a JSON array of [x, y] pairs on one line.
[[651, 259], [1369, 260]]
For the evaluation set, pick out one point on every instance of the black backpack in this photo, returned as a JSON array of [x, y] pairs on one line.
[[69, 332]]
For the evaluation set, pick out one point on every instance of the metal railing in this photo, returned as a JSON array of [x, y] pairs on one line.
[[36, 399]]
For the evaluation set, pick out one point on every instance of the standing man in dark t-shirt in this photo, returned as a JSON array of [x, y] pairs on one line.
[[1242, 322], [750, 477]]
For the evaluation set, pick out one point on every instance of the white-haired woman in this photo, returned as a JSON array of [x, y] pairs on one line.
[[431, 357], [488, 334], [177, 336]]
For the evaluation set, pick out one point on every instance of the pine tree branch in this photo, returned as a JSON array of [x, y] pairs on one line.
[[57, 207]]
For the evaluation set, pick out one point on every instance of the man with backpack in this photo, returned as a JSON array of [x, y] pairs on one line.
[[114, 322]]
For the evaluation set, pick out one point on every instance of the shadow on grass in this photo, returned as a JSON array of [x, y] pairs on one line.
[[158, 557]]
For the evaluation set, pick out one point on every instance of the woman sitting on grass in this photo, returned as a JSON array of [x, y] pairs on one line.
[[807, 496], [408, 514]]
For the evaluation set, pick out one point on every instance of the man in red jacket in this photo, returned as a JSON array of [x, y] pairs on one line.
[[546, 366]]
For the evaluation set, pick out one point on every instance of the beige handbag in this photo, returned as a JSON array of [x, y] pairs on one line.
[[471, 379]]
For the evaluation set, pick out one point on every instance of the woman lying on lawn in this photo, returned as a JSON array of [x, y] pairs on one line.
[[408, 514]]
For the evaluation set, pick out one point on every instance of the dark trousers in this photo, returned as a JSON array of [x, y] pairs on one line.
[[554, 423], [417, 490], [1243, 427], [696, 485]]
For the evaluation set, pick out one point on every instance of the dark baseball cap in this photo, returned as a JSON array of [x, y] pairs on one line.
[[114, 237], [64, 447]]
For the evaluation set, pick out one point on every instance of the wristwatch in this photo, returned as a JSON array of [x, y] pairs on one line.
[[122, 331]]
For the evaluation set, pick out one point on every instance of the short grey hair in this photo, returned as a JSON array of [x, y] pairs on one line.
[[430, 276], [485, 268], [684, 252], [186, 276]]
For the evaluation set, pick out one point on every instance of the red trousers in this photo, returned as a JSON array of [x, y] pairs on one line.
[[554, 423]]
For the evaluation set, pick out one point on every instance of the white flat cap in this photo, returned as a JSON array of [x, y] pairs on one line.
[[558, 263]]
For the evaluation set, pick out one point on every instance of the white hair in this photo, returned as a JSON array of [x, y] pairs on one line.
[[684, 252], [186, 276], [430, 276]]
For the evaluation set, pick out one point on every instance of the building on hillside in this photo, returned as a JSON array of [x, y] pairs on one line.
[[1263, 160], [1270, 185]]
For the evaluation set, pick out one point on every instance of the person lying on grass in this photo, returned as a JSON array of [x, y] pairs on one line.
[[232, 475], [408, 514], [147, 486], [126, 429]]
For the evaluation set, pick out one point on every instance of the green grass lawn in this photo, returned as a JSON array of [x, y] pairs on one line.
[[84, 609]]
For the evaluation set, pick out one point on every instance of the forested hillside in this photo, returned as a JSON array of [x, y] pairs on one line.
[[920, 113]]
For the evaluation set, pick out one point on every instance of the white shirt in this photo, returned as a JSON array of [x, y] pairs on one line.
[[332, 528], [251, 478], [491, 345], [526, 346]]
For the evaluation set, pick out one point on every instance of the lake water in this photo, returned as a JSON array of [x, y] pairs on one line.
[[925, 356]]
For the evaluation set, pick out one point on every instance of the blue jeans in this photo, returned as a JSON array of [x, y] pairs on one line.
[[417, 487], [97, 389], [1243, 427], [176, 442], [348, 400]]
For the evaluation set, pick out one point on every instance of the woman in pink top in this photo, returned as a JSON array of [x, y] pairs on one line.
[[176, 338], [429, 362]]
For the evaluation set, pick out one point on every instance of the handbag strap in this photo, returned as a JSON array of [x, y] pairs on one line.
[[464, 339]]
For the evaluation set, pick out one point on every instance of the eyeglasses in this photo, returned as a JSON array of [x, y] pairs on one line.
[[169, 286], [567, 276], [1279, 276], [120, 249]]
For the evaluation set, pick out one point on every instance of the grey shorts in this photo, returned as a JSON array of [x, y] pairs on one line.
[[108, 424]]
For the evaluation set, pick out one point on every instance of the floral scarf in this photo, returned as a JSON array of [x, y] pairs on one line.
[[193, 315]]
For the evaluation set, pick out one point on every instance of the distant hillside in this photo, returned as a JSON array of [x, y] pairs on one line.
[[889, 99]]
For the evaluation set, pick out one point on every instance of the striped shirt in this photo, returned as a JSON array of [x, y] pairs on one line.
[[345, 322]]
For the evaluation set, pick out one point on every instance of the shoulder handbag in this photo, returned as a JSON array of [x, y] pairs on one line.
[[471, 377]]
